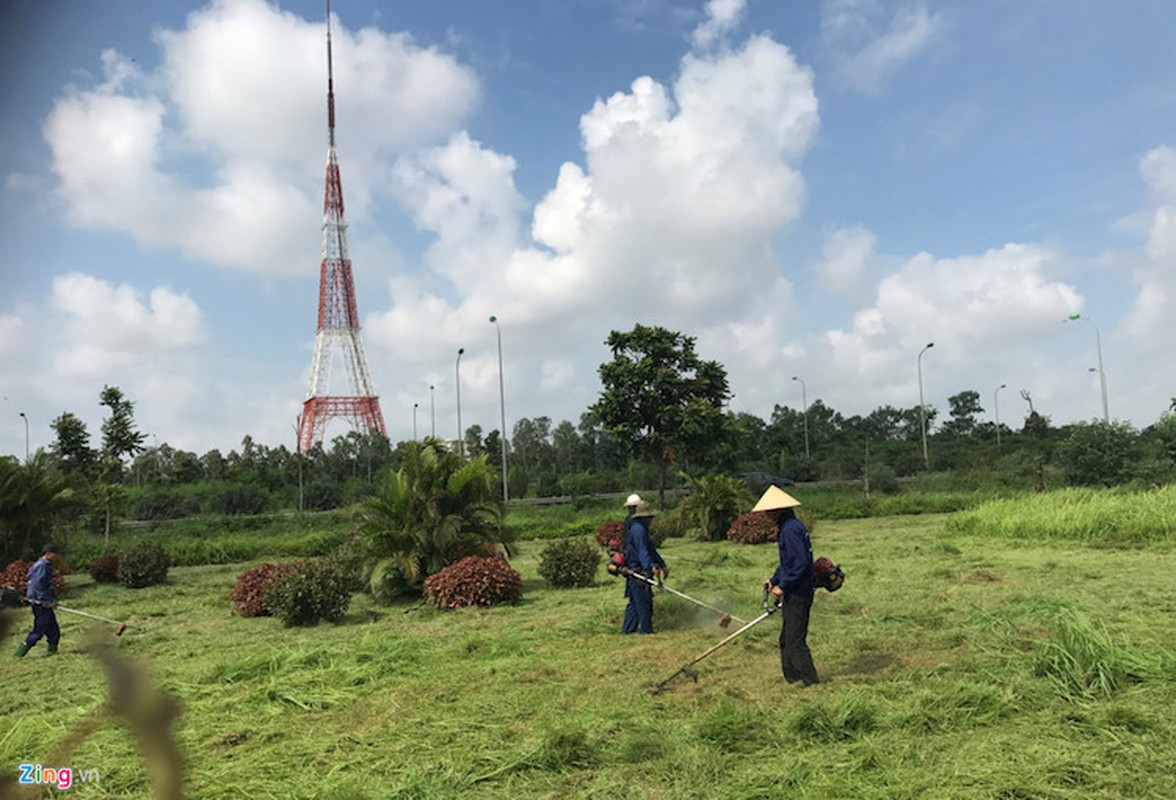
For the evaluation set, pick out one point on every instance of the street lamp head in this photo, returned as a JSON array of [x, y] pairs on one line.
[[1074, 316], [1002, 386], [930, 344], [795, 378], [460, 350], [493, 319]]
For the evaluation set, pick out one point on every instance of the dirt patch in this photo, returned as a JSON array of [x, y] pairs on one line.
[[868, 662], [982, 576]]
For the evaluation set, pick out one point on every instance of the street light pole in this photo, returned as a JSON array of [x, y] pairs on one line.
[[1102, 375], [298, 455], [922, 410], [457, 377], [996, 405], [804, 403], [432, 413], [414, 429], [502, 407], [26, 419]]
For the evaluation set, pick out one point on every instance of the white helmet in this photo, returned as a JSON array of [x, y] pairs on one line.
[[633, 499]]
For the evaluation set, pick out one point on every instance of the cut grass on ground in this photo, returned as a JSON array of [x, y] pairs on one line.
[[956, 666]]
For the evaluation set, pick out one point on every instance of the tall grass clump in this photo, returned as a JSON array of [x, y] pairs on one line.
[[1082, 661], [1086, 515], [841, 722]]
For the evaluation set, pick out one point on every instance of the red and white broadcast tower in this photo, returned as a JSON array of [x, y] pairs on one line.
[[338, 314]]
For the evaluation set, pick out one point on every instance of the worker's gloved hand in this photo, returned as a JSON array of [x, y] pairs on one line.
[[777, 592], [658, 573], [665, 572]]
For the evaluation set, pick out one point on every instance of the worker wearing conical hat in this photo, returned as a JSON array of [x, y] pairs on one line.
[[792, 584]]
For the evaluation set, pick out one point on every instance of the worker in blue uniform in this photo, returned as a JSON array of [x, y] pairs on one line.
[[40, 596], [641, 556], [792, 584]]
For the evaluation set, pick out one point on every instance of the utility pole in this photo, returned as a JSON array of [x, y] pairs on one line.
[[804, 402], [996, 405]]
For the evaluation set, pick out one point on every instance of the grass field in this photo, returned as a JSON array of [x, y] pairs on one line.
[[955, 666]]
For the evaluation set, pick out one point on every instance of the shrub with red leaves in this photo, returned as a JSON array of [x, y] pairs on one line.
[[610, 531], [753, 528], [16, 576], [249, 593], [474, 581], [104, 569]]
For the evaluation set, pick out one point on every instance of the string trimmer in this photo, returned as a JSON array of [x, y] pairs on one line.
[[10, 596], [620, 569], [685, 668]]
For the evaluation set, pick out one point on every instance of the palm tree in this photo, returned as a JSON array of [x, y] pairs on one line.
[[714, 503], [35, 503], [433, 511]]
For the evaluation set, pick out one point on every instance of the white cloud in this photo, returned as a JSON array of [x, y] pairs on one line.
[[844, 266], [1150, 322], [721, 17], [465, 194], [982, 312], [669, 221], [241, 91], [155, 346], [109, 327], [557, 373], [12, 343], [867, 45]]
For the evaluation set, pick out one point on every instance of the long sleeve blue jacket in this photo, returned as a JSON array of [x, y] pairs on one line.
[[639, 550], [795, 575], [40, 581]]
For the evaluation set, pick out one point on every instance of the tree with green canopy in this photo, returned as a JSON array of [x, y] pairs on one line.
[[660, 398], [120, 439]]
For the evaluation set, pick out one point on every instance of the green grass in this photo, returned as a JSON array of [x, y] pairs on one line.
[[215, 539], [957, 666], [1114, 517]]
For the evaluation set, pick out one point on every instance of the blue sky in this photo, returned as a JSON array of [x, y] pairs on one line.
[[810, 188]]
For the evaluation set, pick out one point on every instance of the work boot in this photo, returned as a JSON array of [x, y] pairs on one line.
[[52, 649], [20, 650]]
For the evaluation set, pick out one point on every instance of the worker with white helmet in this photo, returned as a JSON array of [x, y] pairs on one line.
[[631, 503], [641, 557]]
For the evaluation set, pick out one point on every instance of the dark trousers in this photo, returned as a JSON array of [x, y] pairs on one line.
[[639, 612], [44, 624], [795, 657]]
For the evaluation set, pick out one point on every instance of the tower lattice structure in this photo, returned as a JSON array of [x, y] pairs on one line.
[[338, 313]]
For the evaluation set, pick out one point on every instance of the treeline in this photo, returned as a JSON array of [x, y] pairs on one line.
[[76, 484]]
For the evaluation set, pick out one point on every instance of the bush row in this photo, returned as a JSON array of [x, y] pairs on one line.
[[16, 576], [307, 592]]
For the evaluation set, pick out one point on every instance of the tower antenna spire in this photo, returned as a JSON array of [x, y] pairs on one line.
[[330, 83], [338, 313]]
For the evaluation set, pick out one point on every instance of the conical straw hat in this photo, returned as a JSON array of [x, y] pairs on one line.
[[775, 498]]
